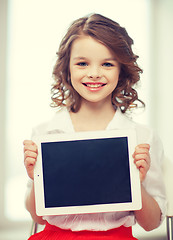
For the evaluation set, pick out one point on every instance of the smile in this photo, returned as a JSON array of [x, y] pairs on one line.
[[94, 85]]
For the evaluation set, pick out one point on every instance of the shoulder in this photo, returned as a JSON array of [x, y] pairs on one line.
[[125, 121], [56, 124], [144, 133]]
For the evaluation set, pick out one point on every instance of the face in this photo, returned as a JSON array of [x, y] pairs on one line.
[[94, 70]]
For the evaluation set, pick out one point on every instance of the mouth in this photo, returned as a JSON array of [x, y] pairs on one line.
[[94, 85]]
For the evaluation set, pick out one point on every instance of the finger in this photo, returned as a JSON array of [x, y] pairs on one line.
[[142, 174], [29, 162], [30, 154], [30, 171], [28, 142], [142, 156], [142, 164], [146, 162], [143, 169], [32, 148], [141, 151], [30, 145], [143, 146]]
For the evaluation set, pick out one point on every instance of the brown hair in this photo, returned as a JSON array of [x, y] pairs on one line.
[[113, 36]]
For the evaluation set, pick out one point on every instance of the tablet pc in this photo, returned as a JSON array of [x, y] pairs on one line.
[[86, 172]]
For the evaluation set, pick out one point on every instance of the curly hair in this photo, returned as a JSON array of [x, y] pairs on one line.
[[115, 38]]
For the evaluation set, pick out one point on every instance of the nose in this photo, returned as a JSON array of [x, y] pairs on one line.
[[94, 73]]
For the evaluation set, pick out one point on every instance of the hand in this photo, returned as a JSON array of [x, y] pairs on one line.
[[142, 159], [30, 157]]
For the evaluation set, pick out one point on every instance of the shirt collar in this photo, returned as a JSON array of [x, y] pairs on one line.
[[120, 121], [61, 122]]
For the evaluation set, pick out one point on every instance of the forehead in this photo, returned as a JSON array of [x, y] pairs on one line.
[[86, 46]]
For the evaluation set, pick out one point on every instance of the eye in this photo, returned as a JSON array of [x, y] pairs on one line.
[[82, 64], [108, 64]]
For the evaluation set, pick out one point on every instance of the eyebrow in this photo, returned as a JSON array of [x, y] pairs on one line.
[[110, 59], [79, 58], [105, 59]]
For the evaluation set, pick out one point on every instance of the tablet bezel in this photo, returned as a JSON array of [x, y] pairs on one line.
[[136, 204]]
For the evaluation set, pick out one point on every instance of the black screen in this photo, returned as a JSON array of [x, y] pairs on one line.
[[86, 172]]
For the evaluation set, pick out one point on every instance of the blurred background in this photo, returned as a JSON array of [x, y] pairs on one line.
[[30, 33]]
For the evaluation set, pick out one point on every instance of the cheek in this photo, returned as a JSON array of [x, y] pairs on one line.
[[77, 75], [114, 76], [114, 79], [75, 79]]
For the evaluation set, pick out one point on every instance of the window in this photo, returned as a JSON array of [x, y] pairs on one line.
[[35, 29]]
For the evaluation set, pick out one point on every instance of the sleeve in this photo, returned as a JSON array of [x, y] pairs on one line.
[[28, 189], [39, 130], [154, 183]]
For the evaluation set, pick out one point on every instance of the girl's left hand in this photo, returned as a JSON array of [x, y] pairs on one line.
[[142, 159]]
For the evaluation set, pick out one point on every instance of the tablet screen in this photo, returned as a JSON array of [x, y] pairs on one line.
[[86, 172]]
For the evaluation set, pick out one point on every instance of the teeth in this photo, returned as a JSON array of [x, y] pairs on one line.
[[94, 85]]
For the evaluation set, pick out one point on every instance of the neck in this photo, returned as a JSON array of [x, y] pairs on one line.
[[92, 116], [96, 110]]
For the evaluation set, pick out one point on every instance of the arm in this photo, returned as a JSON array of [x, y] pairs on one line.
[[30, 157], [30, 206], [150, 214]]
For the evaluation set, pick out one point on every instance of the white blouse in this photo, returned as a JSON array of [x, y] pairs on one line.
[[153, 183]]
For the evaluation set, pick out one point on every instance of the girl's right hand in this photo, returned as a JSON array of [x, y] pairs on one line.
[[30, 157]]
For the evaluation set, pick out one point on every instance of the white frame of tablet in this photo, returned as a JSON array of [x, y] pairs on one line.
[[136, 204]]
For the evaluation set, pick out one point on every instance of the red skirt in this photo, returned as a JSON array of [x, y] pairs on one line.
[[55, 233]]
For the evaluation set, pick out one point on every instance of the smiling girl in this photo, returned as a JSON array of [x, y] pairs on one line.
[[94, 73], [94, 78]]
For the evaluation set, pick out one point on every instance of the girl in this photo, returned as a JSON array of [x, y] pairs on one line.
[[94, 75]]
